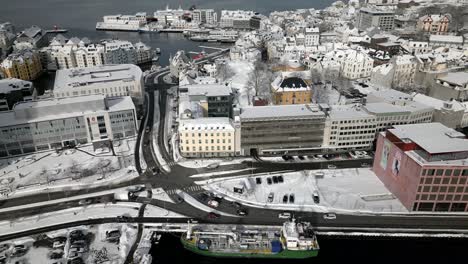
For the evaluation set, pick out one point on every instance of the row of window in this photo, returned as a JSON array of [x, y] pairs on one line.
[[442, 189], [206, 134], [441, 197], [447, 172], [208, 148], [207, 141]]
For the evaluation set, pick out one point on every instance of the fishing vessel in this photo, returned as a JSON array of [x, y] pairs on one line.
[[291, 241]]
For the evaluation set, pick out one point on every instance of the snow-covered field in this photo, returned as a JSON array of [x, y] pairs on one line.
[[346, 191], [97, 246], [67, 170]]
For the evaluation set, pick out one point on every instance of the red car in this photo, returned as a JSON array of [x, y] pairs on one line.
[[213, 215]]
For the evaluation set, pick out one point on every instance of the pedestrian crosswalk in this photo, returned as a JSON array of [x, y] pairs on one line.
[[171, 163], [192, 188]]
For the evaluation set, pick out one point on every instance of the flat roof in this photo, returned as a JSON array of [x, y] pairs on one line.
[[383, 107], [347, 112], [281, 111], [208, 89], [77, 77], [60, 108], [432, 137], [12, 84], [206, 123], [458, 78]]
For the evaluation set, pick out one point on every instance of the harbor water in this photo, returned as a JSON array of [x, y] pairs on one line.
[[334, 250]]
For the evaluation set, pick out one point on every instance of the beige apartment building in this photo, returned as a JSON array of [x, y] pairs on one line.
[[209, 137]]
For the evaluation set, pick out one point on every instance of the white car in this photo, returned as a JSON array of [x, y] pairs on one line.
[[331, 167], [213, 203], [329, 216], [284, 215]]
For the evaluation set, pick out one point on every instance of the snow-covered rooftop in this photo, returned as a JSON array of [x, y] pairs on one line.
[[457, 78], [432, 137], [211, 123], [384, 108], [281, 111], [69, 78], [208, 89], [59, 108]]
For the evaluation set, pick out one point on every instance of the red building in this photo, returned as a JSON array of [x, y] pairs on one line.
[[425, 166]]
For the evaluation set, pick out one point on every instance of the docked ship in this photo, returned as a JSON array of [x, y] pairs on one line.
[[228, 36], [122, 22], [291, 241]]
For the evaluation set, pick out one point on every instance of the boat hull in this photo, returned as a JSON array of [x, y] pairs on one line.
[[284, 254]]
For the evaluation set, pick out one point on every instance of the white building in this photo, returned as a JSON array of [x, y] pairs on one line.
[[312, 37], [168, 16], [418, 47], [109, 80], [349, 127], [450, 113], [382, 76], [378, 18], [90, 56], [119, 52], [205, 16], [405, 67], [356, 64], [446, 41], [56, 123], [209, 137], [235, 19]]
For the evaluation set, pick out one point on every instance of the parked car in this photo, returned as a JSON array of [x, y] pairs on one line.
[[123, 218], [213, 166], [213, 203], [73, 255], [56, 254], [155, 170], [241, 212], [316, 197], [136, 188], [85, 201], [284, 215], [270, 197], [58, 244], [285, 198], [301, 157], [269, 181], [291, 198], [275, 179], [280, 179], [213, 215], [329, 216], [331, 167], [76, 260], [4, 247], [258, 180], [365, 165]]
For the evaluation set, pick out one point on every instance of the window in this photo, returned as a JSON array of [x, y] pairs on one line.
[[448, 172], [439, 172], [456, 173], [424, 172], [445, 181], [454, 180], [443, 189], [430, 172]]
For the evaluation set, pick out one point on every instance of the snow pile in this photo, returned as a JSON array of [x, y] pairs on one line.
[[127, 239]]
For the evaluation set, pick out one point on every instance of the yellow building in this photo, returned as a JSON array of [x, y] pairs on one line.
[[208, 137], [291, 90], [24, 65]]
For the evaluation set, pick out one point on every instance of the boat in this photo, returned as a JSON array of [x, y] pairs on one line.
[[291, 241], [157, 50]]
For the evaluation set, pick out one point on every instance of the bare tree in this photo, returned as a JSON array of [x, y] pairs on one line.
[[224, 71], [259, 79]]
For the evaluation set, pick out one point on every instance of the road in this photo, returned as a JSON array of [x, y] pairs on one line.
[[179, 178]]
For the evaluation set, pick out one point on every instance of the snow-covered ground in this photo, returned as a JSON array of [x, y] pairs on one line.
[[203, 163], [69, 215], [70, 169], [241, 71], [97, 248], [345, 191], [154, 211]]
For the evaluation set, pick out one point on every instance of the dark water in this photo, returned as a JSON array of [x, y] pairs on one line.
[[344, 251]]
